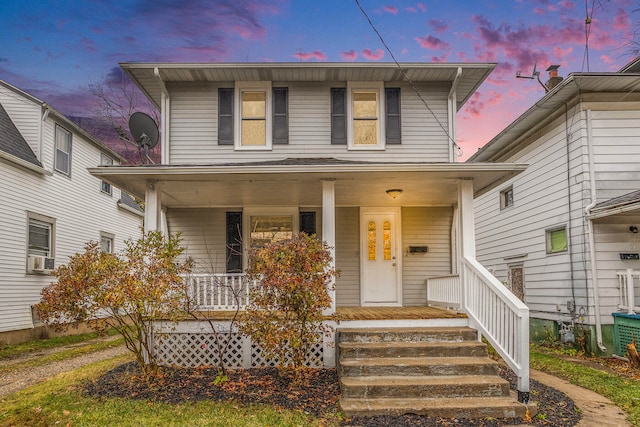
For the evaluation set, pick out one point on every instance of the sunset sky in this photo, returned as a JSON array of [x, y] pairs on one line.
[[54, 49]]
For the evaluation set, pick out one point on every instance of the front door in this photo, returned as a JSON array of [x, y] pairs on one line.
[[379, 258]]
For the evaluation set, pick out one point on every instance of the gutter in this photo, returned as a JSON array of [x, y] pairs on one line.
[[25, 164], [452, 114], [592, 240]]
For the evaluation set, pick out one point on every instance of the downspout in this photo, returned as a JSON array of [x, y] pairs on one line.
[[592, 240], [164, 117], [452, 100], [45, 114]]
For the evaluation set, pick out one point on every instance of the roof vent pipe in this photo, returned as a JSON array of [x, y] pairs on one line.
[[554, 79]]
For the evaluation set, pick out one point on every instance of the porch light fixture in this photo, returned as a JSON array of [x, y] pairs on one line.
[[394, 193]]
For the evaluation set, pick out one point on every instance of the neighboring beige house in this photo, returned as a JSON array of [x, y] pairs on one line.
[[51, 205], [360, 154], [564, 235]]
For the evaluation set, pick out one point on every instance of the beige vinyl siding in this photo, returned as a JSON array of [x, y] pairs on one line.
[[194, 132], [203, 233], [348, 256], [428, 226], [81, 212]]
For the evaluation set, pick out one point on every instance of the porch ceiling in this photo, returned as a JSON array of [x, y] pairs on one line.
[[301, 185]]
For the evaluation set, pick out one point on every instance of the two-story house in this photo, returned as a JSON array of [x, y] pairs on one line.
[[564, 234], [51, 205], [361, 155]]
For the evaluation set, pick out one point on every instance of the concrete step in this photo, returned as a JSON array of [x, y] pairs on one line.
[[350, 350], [421, 334], [421, 386], [406, 366], [474, 407]]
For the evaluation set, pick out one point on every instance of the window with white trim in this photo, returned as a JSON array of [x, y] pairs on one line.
[[63, 150], [105, 160], [253, 110], [556, 239], [106, 242], [268, 225], [40, 237], [506, 198], [365, 116]]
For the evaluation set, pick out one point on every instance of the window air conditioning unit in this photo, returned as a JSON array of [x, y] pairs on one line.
[[40, 264]]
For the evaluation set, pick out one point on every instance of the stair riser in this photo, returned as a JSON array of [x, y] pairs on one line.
[[430, 391], [518, 411], [431, 351], [411, 370], [407, 336]]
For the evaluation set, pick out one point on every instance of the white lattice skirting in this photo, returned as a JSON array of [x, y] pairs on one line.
[[192, 344]]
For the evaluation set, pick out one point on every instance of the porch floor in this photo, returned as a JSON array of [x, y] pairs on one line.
[[396, 313], [366, 313]]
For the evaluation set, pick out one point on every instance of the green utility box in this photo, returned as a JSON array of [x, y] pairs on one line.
[[626, 327]]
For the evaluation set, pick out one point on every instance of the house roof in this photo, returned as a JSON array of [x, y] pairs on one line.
[[150, 77], [626, 202], [298, 182], [546, 109], [12, 142], [63, 120]]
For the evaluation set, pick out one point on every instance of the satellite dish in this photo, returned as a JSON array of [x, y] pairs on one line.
[[145, 133], [144, 130]]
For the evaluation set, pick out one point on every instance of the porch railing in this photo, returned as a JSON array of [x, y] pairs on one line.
[[628, 281], [209, 292], [444, 291], [500, 317]]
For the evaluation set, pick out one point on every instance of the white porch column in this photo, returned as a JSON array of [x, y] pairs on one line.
[[467, 226], [329, 229], [152, 207]]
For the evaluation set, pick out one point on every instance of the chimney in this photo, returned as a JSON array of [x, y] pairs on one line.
[[554, 79]]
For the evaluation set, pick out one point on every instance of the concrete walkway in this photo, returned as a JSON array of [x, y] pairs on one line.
[[597, 410]]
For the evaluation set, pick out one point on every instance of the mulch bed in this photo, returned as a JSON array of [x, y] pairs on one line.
[[317, 394]]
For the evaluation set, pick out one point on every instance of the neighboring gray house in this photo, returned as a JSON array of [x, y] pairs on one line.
[[51, 205], [563, 235], [360, 154]]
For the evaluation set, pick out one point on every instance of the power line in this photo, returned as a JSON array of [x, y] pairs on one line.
[[404, 74]]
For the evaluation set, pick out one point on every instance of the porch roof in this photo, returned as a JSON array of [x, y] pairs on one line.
[[298, 182], [625, 203]]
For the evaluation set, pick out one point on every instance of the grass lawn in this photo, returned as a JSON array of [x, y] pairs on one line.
[[623, 391], [59, 401]]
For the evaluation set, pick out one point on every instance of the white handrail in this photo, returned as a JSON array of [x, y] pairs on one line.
[[210, 292], [500, 317], [627, 290], [444, 291]]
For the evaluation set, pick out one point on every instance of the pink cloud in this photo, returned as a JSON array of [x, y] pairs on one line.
[[422, 7], [621, 21], [411, 9], [438, 26], [308, 56], [560, 53], [539, 11], [431, 42], [391, 9], [89, 45], [349, 56], [441, 58], [373, 56], [606, 59], [404, 51]]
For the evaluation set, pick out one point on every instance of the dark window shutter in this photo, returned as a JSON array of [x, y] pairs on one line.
[[280, 115], [392, 96], [338, 116], [234, 242], [308, 223], [225, 116]]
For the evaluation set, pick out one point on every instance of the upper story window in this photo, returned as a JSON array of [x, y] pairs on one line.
[[365, 116], [506, 198], [63, 150], [253, 116], [105, 160]]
